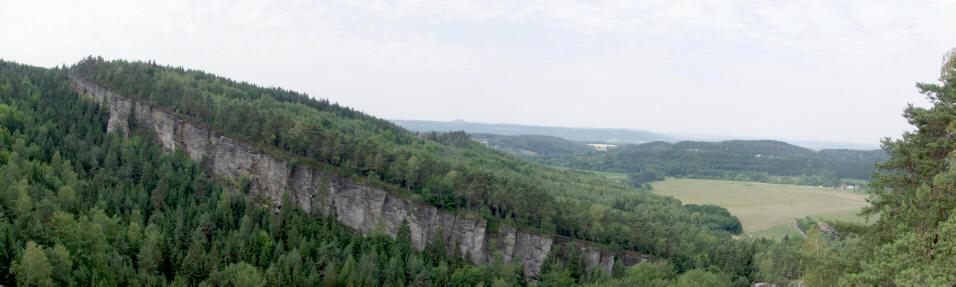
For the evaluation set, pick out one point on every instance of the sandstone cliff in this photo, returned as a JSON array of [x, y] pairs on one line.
[[359, 207]]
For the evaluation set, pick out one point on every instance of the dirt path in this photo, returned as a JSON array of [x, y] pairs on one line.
[[797, 226]]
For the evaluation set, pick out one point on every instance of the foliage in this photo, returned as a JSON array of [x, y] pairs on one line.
[[912, 242], [33, 268], [449, 170], [701, 278], [719, 218], [82, 207], [746, 160], [532, 145], [240, 274], [780, 263]]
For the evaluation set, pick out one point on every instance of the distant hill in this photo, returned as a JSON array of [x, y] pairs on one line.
[[762, 160], [773, 158], [811, 144], [532, 145], [752, 160], [589, 135]]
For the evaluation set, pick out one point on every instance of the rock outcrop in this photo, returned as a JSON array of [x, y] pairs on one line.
[[362, 208]]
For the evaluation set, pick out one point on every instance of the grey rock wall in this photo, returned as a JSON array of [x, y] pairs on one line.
[[362, 208]]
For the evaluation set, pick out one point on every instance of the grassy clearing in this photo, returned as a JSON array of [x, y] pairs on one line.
[[767, 209], [777, 231]]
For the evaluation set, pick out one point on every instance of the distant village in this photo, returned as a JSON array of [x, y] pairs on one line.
[[601, 146]]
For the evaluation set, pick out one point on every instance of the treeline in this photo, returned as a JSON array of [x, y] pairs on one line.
[[746, 160], [449, 170], [763, 161]]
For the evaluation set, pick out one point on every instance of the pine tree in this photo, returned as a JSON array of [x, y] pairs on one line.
[[913, 196]]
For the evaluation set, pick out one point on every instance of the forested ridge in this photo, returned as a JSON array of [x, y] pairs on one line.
[[86, 207], [82, 207], [748, 160]]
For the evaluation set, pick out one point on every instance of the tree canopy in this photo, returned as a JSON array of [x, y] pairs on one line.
[[97, 208], [449, 170]]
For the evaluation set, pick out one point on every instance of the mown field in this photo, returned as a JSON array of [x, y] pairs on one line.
[[767, 210]]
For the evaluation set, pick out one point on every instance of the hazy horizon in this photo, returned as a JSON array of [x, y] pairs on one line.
[[679, 136], [839, 72]]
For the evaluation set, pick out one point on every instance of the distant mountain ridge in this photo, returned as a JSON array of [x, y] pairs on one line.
[[604, 135], [599, 135]]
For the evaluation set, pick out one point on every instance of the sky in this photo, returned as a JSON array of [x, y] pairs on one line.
[[813, 70]]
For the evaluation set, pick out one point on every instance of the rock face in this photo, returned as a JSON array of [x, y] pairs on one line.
[[362, 208]]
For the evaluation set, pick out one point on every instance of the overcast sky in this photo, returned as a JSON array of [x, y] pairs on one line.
[[823, 70]]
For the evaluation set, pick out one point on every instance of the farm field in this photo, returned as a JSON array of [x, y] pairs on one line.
[[767, 210]]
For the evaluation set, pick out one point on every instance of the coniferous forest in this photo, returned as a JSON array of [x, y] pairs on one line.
[[80, 206]]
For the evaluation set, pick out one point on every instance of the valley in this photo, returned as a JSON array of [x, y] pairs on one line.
[[767, 210]]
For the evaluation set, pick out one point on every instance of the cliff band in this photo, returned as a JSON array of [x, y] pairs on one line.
[[359, 207]]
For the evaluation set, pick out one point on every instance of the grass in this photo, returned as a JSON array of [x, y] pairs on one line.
[[777, 231], [766, 210]]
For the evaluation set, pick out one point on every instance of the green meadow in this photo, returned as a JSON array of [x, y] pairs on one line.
[[767, 210]]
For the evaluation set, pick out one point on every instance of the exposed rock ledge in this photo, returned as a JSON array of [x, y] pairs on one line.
[[359, 207]]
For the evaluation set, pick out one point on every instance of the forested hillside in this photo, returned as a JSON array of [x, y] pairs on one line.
[[82, 207], [532, 146], [85, 206], [750, 160], [765, 161]]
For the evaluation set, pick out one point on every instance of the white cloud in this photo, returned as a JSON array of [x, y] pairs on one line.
[[752, 68]]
